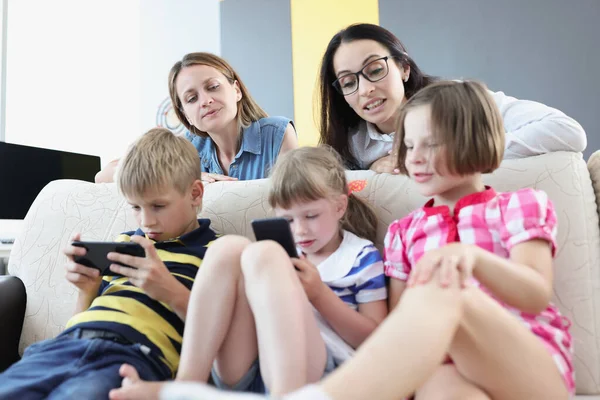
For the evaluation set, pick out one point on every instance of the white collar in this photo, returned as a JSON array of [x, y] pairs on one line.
[[374, 134], [342, 260]]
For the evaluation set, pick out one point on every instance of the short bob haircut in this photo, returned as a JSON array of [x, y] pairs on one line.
[[465, 123]]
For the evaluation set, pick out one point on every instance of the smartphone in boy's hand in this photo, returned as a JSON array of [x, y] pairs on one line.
[[96, 253]]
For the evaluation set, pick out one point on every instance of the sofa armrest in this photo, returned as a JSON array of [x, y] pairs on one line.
[[593, 165], [13, 300]]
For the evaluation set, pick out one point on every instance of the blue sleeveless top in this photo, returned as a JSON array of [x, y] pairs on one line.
[[261, 143]]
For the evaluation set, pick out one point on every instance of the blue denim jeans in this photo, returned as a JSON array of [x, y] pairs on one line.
[[70, 368]]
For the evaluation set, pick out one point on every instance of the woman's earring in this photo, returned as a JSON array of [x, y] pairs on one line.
[[406, 78]]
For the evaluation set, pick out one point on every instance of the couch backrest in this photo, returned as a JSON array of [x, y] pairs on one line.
[[65, 207]]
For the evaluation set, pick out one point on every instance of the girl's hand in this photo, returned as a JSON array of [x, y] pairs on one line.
[[452, 257], [309, 277], [210, 178], [132, 387], [148, 273]]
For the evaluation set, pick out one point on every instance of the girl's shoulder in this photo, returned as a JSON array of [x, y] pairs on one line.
[[354, 245], [526, 199], [404, 223], [527, 214], [344, 259]]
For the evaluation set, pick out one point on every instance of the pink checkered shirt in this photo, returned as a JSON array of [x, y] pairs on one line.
[[495, 222]]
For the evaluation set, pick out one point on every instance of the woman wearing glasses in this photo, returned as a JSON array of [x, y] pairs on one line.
[[366, 75]]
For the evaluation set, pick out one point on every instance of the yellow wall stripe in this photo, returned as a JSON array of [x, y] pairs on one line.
[[314, 22]]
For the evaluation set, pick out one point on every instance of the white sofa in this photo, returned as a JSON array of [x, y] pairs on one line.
[[65, 207]]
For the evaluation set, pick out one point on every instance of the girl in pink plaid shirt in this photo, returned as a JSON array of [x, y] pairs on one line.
[[484, 258], [471, 273]]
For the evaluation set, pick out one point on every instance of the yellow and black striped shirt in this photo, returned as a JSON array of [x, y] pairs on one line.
[[125, 309]]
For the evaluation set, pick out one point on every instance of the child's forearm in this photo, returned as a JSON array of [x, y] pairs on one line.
[[179, 298], [396, 289], [84, 301], [352, 326], [516, 284], [180, 305]]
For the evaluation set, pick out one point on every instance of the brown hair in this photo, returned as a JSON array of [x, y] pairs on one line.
[[158, 159], [248, 110], [465, 123], [313, 173], [336, 116]]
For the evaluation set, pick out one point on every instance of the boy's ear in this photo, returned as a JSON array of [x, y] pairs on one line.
[[197, 192]]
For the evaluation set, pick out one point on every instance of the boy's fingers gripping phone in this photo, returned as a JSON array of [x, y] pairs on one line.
[[96, 253], [278, 230]]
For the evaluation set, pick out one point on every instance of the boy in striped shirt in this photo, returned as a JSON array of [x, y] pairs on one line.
[[131, 315]]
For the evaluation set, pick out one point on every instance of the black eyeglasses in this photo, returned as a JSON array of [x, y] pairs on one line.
[[374, 71]]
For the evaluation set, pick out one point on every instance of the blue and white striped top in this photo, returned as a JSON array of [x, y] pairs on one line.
[[355, 273]]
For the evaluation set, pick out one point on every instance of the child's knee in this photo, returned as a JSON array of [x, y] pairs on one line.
[[475, 301], [228, 246], [261, 256], [224, 254], [447, 301]]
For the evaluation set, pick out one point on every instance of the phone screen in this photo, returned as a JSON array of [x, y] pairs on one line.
[[278, 230]]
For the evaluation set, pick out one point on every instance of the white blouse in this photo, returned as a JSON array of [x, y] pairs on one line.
[[531, 128]]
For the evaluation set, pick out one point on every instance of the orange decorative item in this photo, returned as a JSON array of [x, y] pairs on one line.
[[356, 186]]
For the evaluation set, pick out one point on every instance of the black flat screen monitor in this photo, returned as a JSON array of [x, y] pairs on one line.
[[25, 170]]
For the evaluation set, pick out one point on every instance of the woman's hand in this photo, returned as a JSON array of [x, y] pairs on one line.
[[210, 178], [107, 174], [386, 165], [309, 277], [453, 257]]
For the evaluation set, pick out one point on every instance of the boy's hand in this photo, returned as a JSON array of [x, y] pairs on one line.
[[86, 279], [309, 277], [148, 273]]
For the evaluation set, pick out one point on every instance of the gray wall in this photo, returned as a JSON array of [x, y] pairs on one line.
[[542, 50], [256, 38]]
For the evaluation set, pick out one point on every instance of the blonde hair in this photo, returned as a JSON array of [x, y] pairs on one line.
[[465, 122], [157, 160], [314, 173], [248, 110]]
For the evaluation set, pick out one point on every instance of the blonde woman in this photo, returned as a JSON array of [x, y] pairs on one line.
[[235, 138]]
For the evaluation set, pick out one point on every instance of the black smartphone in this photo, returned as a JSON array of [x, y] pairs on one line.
[[277, 229], [97, 251]]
